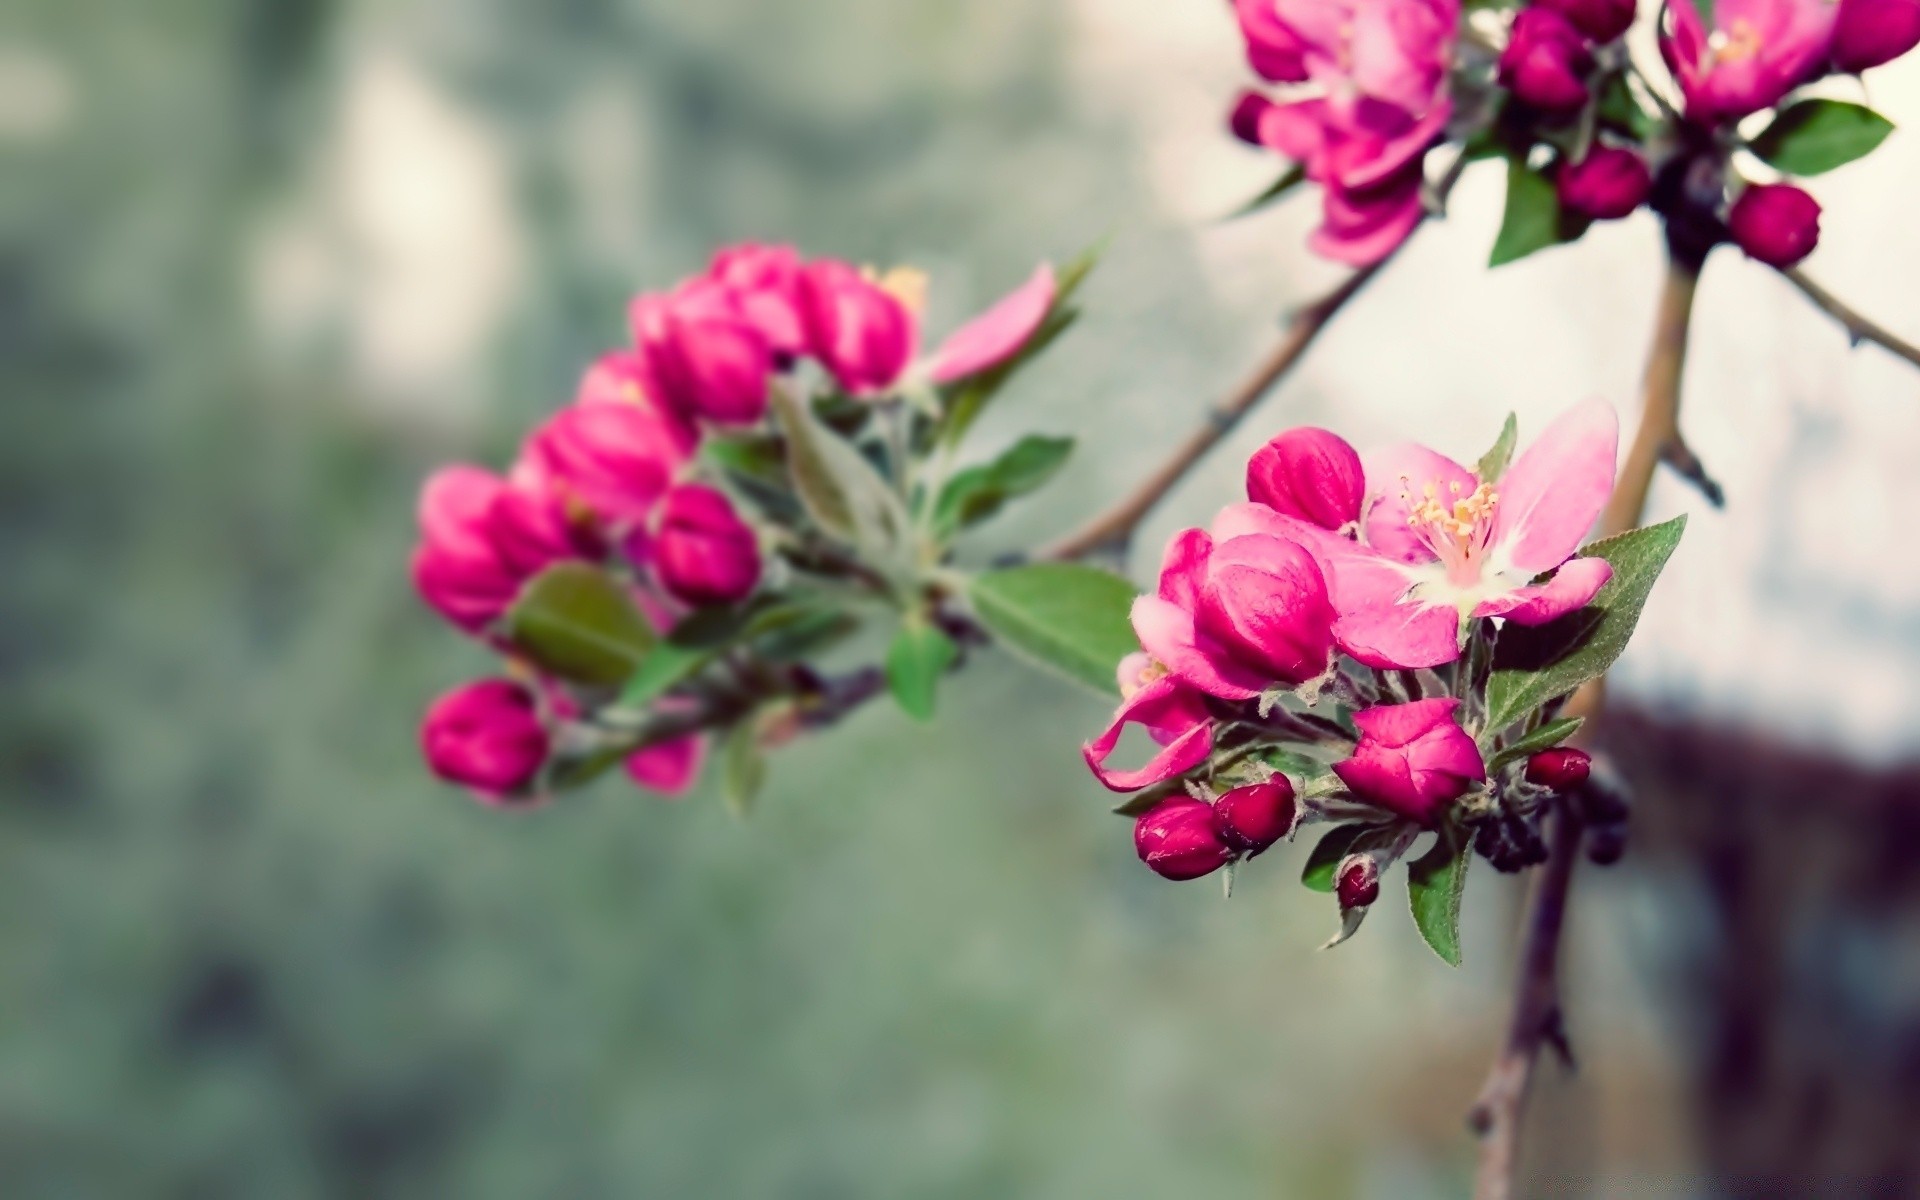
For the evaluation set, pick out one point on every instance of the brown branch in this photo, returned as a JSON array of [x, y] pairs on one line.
[[1112, 528], [1660, 413], [1858, 327], [1498, 1113]]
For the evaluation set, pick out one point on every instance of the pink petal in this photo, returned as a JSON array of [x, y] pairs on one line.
[[1554, 492], [1162, 705], [1356, 576], [1401, 724], [1399, 476], [669, 768], [1403, 636], [1377, 778], [1168, 632], [998, 333], [1183, 568], [1570, 589]]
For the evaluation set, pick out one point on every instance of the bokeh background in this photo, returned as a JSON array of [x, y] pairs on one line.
[[264, 262]]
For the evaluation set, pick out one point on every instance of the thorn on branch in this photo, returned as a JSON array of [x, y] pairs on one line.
[[1678, 455]]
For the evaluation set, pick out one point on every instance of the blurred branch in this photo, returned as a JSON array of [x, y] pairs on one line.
[[1498, 1113], [1858, 327], [1658, 437]]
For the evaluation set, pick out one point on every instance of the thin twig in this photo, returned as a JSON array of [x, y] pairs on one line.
[[1497, 1115], [1858, 327], [1112, 528], [1660, 416]]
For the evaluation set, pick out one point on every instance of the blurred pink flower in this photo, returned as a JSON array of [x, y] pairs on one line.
[[702, 552], [764, 282], [670, 768], [482, 538], [860, 331], [485, 736], [1756, 52], [997, 334], [710, 360], [616, 450]]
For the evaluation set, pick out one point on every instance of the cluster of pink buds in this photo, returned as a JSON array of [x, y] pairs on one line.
[[670, 500], [1383, 639]]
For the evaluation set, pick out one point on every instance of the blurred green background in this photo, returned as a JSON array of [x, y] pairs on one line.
[[264, 263]]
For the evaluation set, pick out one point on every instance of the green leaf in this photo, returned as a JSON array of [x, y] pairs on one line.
[[977, 493], [1435, 884], [1292, 178], [840, 489], [1533, 219], [1705, 9], [1493, 464], [664, 667], [919, 656], [1815, 136], [1533, 665], [1339, 842], [1620, 109], [965, 399], [743, 767], [1548, 735], [1068, 618], [577, 622]]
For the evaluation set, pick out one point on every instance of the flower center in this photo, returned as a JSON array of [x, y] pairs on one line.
[[1455, 526], [1738, 42]]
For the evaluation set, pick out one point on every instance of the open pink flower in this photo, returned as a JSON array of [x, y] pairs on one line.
[[1438, 545], [1237, 616], [1173, 714], [1756, 52], [997, 334], [1412, 758]]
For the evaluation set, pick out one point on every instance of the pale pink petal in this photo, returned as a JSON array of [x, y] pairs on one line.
[[1168, 632], [1570, 589], [1404, 636], [998, 333], [1163, 706], [1400, 724], [670, 768], [1399, 476], [1554, 492]]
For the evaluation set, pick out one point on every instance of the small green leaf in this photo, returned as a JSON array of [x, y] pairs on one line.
[[1533, 219], [1435, 884], [1069, 618], [577, 622], [1493, 464], [1620, 109], [919, 656], [977, 493], [665, 666], [1339, 842], [839, 487], [743, 767], [1548, 735], [1532, 665], [1815, 136], [1292, 178]]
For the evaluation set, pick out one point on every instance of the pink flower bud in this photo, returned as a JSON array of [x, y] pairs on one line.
[[1176, 838], [1412, 758], [703, 552], [765, 284], [1310, 474], [1601, 20], [1562, 768], [1776, 223], [710, 361], [1237, 618], [1356, 882], [1546, 61], [616, 457], [669, 768], [1870, 32], [485, 736], [1609, 183], [1254, 817], [482, 538], [862, 334]]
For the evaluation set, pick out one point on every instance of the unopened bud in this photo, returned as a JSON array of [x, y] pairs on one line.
[[1357, 882], [1177, 839], [704, 553], [1254, 817], [1546, 61], [1601, 20], [1775, 223], [1870, 32], [1609, 183], [1562, 768]]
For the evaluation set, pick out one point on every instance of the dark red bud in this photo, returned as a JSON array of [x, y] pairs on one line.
[[1357, 882], [1776, 223], [1609, 183], [1546, 61], [1177, 839], [1870, 32], [1254, 817], [1562, 768]]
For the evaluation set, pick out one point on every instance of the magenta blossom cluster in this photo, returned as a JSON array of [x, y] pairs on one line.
[[616, 480]]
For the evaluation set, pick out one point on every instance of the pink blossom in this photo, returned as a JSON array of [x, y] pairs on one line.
[[710, 360], [764, 282], [702, 552], [482, 538], [1237, 616], [1274, 50], [1775, 223], [1867, 33], [997, 334], [862, 332], [1601, 20], [1412, 758], [1172, 714], [1311, 474], [485, 736], [1609, 183], [670, 768], [1438, 545], [1756, 52], [1546, 60], [616, 450]]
